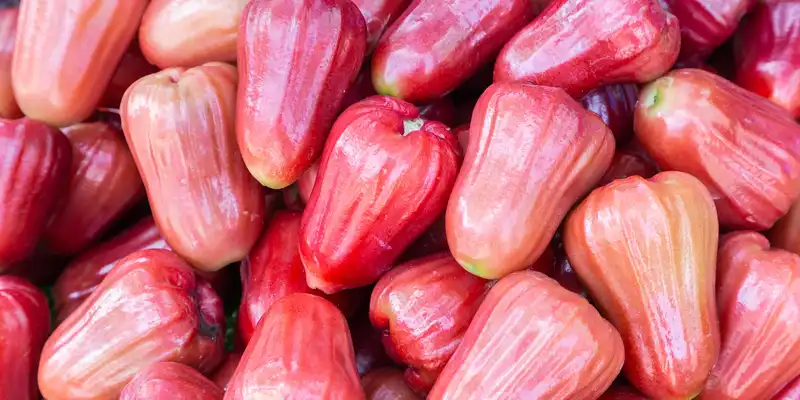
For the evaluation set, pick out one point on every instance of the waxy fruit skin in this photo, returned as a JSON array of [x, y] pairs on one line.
[[741, 146], [758, 298], [379, 15], [790, 391], [383, 179], [706, 24], [767, 53], [179, 125], [188, 33], [386, 384], [614, 104], [131, 68], [629, 161], [170, 381], [104, 183], [273, 270], [579, 45], [8, 34], [222, 376], [424, 307], [646, 252], [785, 234], [532, 339], [563, 151], [66, 53], [83, 274], [34, 170], [301, 350], [435, 46], [151, 307], [305, 184], [297, 58], [24, 326]]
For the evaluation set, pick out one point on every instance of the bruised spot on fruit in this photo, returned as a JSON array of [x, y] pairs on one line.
[[412, 125]]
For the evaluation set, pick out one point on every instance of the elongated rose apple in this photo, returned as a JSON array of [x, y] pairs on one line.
[[103, 176], [579, 45], [34, 169], [301, 350], [436, 46], [386, 384], [296, 60], [531, 338], [8, 34], [379, 15], [66, 53], [188, 33], [741, 146], [424, 307], [758, 298], [706, 24], [384, 178], [170, 381], [179, 124], [767, 53], [24, 326], [560, 152], [646, 252], [150, 308]]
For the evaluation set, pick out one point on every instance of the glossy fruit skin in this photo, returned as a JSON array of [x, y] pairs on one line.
[[565, 148], [525, 317], [631, 160], [741, 146], [386, 384], [379, 15], [658, 236], [758, 298], [435, 46], [767, 53], [614, 104], [706, 24], [424, 307], [580, 45], [83, 275], [273, 270], [8, 34], [292, 79], [170, 381], [34, 170], [785, 234], [66, 53], [305, 185], [383, 179], [151, 307], [103, 175], [301, 350], [188, 33], [790, 391], [132, 67], [24, 326], [222, 376], [179, 125]]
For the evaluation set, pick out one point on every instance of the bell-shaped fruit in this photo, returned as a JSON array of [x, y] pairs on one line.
[[385, 176], [741, 146], [386, 384], [222, 376], [8, 34], [436, 46], [188, 33], [24, 326], [103, 176], [82, 276], [179, 124], [560, 151], [646, 252], [131, 68], [767, 53], [301, 350], [168, 380], [532, 339], [758, 298], [424, 307], [579, 45], [706, 24], [66, 53], [296, 60], [34, 170], [379, 15], [614, 104], [151, 307]]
